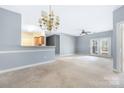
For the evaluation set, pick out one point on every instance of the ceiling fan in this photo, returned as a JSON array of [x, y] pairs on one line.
[[83, 32]]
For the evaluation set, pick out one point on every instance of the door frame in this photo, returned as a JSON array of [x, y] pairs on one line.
[[119, 47]]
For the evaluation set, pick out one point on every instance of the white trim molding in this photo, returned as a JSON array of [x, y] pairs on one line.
[[67, 54], [116, 70], [22, 51], [119, 46]]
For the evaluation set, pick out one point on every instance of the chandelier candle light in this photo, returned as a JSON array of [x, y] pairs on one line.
[[49, 21]]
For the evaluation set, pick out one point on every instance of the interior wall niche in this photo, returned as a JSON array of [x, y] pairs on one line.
[[32, 39]]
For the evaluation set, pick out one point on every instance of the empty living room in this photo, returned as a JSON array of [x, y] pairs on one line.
[[62, 46]]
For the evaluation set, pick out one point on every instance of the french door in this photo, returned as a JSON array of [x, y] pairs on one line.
[[105, 47], [101, 46], [94, 47]]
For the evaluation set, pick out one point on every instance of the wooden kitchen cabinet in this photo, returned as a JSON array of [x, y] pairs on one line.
[[38, 41]]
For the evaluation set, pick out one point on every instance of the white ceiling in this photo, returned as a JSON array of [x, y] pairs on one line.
[[72, 18]]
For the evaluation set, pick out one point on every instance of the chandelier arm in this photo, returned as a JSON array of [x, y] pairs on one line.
[[50, 21]]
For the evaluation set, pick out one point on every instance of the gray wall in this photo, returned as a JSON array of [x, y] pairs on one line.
[[54, 40], [10, 29], [83, 42], [67, 44], [57, 44], [118, 16], [11, 53], [22, 58]]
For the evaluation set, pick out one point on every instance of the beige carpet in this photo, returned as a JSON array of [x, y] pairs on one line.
[[66, 72]]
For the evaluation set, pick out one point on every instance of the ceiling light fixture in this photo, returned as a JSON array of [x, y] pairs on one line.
[[49, 21]]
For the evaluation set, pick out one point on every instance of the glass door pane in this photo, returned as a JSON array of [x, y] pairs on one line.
[[94, 46], [105, 47]]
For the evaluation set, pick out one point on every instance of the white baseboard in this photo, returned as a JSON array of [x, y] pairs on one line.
[[115, 70], [26, 66], [66, 54]]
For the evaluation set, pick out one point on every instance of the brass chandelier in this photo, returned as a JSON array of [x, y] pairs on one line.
[[49, 21]]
